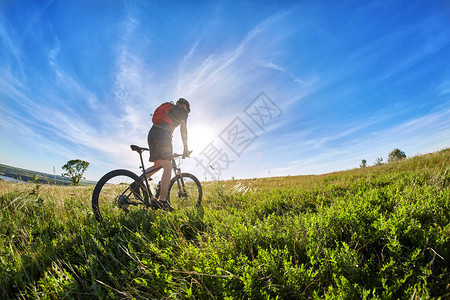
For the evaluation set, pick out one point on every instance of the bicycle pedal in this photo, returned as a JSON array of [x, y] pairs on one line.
[[155, 204]]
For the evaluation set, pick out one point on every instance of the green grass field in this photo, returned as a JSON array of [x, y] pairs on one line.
[[377, 232]]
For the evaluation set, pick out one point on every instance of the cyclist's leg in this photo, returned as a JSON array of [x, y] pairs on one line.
[[165, 180], [160, 144], [153, 169]]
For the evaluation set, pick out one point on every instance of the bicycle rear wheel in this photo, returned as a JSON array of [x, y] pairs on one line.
[[185, 191], [116, 192]]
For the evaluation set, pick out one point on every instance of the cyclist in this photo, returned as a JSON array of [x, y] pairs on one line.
[[165, 119]]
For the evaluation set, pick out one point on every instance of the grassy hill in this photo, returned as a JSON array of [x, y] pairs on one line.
[[376, 232]]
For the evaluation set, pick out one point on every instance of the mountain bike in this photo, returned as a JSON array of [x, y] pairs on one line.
[[120, 190]]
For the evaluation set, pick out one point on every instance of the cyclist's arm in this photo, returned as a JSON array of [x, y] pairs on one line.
[[183, 131]]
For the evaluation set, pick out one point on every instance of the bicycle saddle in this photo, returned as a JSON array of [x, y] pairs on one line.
[[138, 149]]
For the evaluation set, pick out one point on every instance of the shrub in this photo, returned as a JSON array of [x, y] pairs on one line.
[[396, 155]]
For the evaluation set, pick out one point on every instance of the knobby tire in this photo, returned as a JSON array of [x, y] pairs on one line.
[[115, 190], [178, 199]]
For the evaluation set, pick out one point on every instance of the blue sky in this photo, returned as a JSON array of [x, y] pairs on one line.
[[343, 81]]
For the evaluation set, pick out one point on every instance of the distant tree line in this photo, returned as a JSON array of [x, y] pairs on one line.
[[395, 155]]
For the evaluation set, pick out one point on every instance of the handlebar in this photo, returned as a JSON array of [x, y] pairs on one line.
[[175, 155]]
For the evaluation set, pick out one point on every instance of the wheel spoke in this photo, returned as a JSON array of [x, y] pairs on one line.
[[117, 192]]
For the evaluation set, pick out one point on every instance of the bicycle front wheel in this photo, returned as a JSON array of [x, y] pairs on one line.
[[116, 192], [185, 191]]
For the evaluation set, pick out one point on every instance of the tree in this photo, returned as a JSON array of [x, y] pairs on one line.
[[75, 169], [378, 161], [396, 155], [363, 163]]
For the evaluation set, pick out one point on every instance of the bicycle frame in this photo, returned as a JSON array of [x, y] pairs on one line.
[[177, 172], [175, 168]]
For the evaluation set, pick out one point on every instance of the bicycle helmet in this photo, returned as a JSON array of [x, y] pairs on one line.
[[185, 102]]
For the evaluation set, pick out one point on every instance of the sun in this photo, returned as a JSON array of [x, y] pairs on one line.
[[199, 137]]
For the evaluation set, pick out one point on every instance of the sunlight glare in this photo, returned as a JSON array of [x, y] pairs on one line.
[[199, 137]]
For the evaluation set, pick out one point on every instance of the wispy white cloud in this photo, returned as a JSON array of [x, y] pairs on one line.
[[273, 66], [226, 78], [42, 115], [10, 48], [443, 88], [52, 55]]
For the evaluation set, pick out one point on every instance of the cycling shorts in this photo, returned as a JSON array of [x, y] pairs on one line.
[[160, 142]]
